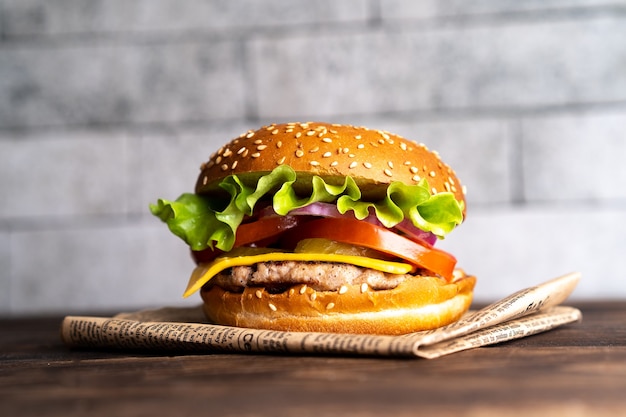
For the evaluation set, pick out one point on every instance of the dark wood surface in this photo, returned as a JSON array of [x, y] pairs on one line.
[[575, 370]]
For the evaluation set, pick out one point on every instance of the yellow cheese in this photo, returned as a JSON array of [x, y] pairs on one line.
[[204, 272]]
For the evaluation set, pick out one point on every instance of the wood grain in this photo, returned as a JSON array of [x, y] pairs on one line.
[[578, 369]]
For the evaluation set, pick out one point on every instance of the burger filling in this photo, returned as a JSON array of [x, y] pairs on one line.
[[326, 236]]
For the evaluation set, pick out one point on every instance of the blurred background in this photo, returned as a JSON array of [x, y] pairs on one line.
[[107, 105]]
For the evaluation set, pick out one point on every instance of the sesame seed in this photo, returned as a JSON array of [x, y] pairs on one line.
[[464, 190], [227, 153], [433, 190], [416, 178], [384, 135], [310, 133], [224, 167], [403, 146], [250, 134], [351, 155], [280, 161], [345, 150], [327, 155], [255, 155], [234, 165], [343, 289], [453, 188], [299, 153], [447, 186], [451, 180], [313, 296], [357, 137], [261, 147], [334, 164], [258, 142], [330, 306], [327, 140], [381, 141], [258, 294], [390, 164], [279, 144], [218, 159], [360, 146], [407, 162], [353, 164], [241, 150], [205, 180], [314, 163], [298, 134], [275, 132], [245, 153], [272, 307], [364, 287], [291, 291], [388, 172], [367, 165], [432, 173], [315, 149], [414, 170], [302, 289]]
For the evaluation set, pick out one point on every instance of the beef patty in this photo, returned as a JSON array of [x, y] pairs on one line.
[[321, 276]]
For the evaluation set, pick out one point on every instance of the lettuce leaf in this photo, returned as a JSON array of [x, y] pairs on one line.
[[203, 222]]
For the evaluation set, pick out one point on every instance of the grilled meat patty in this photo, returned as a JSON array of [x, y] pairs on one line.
[[321, 276]]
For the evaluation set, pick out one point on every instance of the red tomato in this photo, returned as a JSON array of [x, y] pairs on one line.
[[365, 234]]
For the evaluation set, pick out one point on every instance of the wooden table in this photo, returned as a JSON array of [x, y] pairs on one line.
[[575, 370]]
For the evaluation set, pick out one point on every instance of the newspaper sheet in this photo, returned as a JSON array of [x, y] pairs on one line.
[[530, 311]]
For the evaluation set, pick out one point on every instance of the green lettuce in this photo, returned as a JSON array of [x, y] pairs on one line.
[[203, 222]]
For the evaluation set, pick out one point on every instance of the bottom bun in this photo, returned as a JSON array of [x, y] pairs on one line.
[[418, 303]]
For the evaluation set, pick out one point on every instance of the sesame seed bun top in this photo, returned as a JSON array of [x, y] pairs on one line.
[[373, 158]]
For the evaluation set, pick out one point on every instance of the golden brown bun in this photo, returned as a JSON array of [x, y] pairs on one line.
[[419, 303], [371, 157]]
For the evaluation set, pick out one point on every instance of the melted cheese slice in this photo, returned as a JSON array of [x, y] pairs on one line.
[[205, 271]]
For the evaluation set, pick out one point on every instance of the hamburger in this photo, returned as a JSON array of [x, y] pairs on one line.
[[323, 227]]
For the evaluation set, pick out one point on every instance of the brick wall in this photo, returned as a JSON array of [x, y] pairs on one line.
[[106, 105]]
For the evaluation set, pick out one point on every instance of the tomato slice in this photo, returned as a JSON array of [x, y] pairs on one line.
[[263, 232], [361, 233]]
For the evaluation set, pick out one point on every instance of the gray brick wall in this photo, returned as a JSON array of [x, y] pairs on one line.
[[107, 105]]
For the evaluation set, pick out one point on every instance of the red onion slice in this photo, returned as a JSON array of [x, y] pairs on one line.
[[319, 209]]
